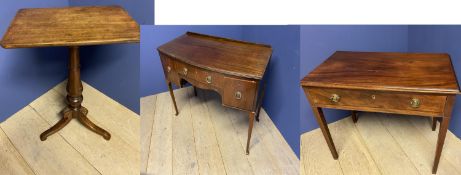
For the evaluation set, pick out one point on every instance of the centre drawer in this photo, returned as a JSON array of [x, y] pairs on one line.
[[376, 100]]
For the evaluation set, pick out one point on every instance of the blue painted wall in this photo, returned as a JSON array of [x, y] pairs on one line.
[[25, 74], [151, 73], [445, 39], [280, 99], [319, 42]]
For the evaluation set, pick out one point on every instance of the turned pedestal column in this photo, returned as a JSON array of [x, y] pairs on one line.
[[74, 100]]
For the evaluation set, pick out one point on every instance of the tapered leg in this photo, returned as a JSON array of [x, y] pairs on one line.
[[434, 123], [354, 116], [251, 119], [195, 91], [67, 116], [170, 88], [440, 141], [74, 100], [318, 113], [260, 102], [443, 131]]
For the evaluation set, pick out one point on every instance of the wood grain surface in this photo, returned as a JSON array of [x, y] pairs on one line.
[[410, 72], [70, 26], [218, 54]]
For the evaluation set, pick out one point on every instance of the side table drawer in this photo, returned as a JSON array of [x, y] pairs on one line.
[[386, 101], [239, 93], [209, 78]]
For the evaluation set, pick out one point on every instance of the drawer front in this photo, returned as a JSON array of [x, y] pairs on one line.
[[169, 69], [186, 71], [166, 64], [239, 93], [209, 78], [385, 101]]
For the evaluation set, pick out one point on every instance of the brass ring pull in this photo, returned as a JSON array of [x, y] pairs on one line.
[[184, 71], [208, 79], [335, 98], [238, 95], [415, 103], [168, 68]]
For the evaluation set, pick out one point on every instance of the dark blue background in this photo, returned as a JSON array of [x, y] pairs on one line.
[[319, 42], [281, 98]]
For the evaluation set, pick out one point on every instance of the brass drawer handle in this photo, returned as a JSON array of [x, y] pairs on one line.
[[415, 103], [335, 98], [168, 68], [184, 71], [238, 95], [208, 79]]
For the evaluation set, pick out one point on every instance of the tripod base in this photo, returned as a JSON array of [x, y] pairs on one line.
[[80, 114]]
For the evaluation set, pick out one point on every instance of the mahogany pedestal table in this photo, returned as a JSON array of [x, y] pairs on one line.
[[402, 83], [232, 68], [71, 27]]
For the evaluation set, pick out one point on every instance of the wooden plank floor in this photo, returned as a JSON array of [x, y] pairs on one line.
[[379, 144], [74, 149], [207, 138]]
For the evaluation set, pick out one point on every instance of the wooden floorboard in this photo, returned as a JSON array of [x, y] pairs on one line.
[[229, 144], [53, 156], [415, 146], [452, 147], [184, 152], [148, 112], [11, 161], [75, 149], [219, 139], [206, 145], [379, 144], [161, 148]]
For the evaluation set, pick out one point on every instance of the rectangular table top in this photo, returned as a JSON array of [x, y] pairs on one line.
[[407, 72], [218, 54], [70, 26]]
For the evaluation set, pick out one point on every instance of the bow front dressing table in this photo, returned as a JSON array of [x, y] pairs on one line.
[[232, 68], [71, 27], [402, 83]]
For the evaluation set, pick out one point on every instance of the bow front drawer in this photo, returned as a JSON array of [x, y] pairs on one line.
[[239, 93], [377, 101]]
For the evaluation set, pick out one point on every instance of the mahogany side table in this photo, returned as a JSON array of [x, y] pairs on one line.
[[71, 27], [402, 83], [232, 68]]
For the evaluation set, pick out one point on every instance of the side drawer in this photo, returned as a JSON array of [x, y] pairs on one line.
[[377, 100], [239, 93], [185, 70]]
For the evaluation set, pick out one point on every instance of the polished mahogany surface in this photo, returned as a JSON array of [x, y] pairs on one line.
[[70, 26], [408, 72], [232, 57]]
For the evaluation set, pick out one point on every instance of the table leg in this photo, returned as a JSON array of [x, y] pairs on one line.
[[250, 129], [443, 131], [170, 88], [434, 123], [260, 102], [354, 116], [74, 99], [195, 91], [318, 113]]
